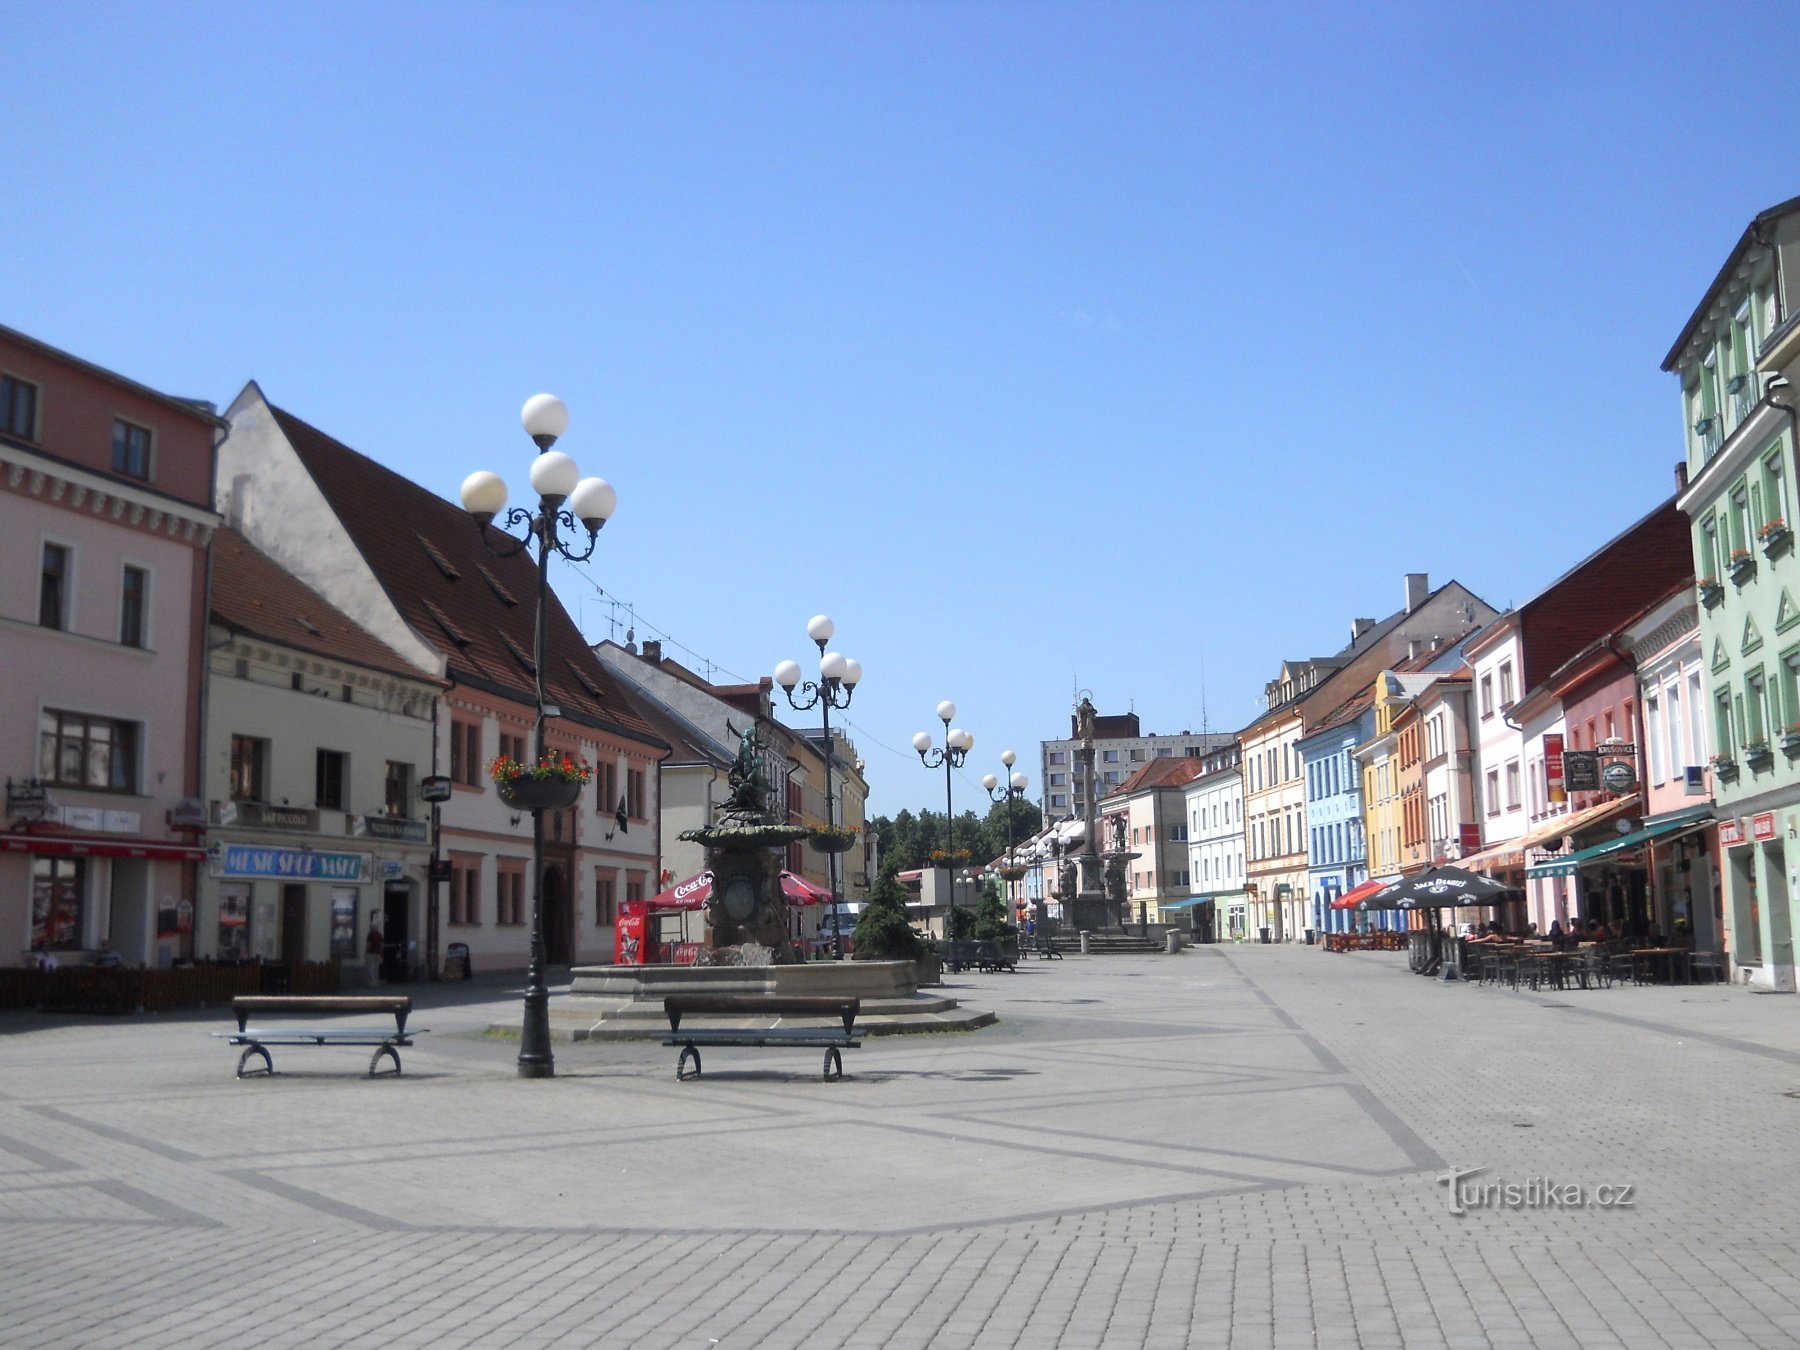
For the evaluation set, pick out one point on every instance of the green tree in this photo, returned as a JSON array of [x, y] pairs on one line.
[[882, 930], [991, 918]]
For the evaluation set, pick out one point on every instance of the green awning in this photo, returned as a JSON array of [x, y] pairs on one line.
[[1567, 867]]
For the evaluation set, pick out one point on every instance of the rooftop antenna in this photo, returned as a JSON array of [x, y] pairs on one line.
[[1205, 727]]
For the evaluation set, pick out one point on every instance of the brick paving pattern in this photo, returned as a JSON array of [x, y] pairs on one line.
[[1235, 1147]]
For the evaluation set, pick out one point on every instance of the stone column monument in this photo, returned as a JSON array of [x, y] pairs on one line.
[[1089, 909]]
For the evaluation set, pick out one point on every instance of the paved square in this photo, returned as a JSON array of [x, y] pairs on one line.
[[1229, 1146]]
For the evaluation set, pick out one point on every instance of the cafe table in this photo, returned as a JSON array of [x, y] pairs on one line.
[[1675, 963]]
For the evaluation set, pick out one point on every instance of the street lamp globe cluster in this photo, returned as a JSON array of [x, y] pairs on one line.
[[564, 498], [836, 685], [1014, 789], [956, 747]]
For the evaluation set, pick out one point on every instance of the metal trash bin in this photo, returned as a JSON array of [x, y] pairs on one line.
[[1262, 935], [1311, 936]]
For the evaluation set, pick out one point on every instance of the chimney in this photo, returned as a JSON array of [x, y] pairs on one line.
[[1681, 477], [1418, 586], [1358, 627], [1414, 646], [238, 512], [653, 651]]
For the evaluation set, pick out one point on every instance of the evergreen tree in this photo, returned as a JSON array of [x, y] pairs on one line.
[[882, 930], [991, 918]]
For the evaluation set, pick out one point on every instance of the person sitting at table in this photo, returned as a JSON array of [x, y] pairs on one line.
[[1531, 931], [1556, 933], [1598, 932]]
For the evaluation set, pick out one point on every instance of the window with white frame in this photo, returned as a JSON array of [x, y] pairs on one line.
[[1656, 754], [1487, 696], [1506, 684], [1756, 705], [1491, 791]]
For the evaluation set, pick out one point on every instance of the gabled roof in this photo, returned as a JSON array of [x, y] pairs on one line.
[[432, 571], [1752, 235], [253, 595], [1167, 771]]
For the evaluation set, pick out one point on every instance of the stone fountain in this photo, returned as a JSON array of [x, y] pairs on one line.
[[747, 949]]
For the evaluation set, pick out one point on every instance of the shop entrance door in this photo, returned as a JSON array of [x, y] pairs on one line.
[[556, 919], [293, 924], [395, 907]]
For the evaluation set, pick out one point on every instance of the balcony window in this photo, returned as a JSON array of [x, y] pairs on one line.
[[329, 776], [53, 587], [397, 789], [134, 590], [249, 768]]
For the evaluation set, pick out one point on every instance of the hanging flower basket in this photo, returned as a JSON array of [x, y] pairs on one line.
[[949, 857], [551, 784], [1014, 873], [835, 838]]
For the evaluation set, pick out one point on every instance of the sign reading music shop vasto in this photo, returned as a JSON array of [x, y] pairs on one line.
[[287, 864]]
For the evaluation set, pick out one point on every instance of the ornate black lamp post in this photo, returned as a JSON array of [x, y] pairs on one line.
[[1014, 789], [557, 482], [838, 678], [956, 747]]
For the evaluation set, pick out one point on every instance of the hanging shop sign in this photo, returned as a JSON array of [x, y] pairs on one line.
[[1554, 786], [1730, 832], [1619, 775], [1581, 771], [1762, 826]]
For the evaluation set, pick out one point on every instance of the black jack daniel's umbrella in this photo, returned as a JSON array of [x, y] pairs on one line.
[[1441, 888]]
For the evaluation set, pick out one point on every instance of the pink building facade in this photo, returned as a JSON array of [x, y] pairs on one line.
[[105, 522]]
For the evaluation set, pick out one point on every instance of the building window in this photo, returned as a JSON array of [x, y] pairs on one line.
[[131, 450], [1059, 757], [1491, 785], [635, 804], [1775, 506], [1722, 736], [509, 892], [1487, 696], [512, 747], [1512, 785], [1109, 756], [465, 752], [93, 752], [1058, 800], [249, 767], [58, 892], [53, 587], [606, 909], [1137, 756], [634, 888], [396, 797], [328, 780], [1506, 684], [1757, 705], [606, 787], [1058, 779], [465, 891], [133, 591], [18, 407]]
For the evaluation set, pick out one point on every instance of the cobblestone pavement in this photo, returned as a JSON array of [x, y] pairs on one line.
[[1237, 1147]]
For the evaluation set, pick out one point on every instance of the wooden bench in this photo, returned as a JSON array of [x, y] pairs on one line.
[[679, 1006], [256, 1040]]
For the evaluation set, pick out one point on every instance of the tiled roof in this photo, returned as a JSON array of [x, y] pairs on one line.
[[429, 557], [1167, 771], [251, 594]]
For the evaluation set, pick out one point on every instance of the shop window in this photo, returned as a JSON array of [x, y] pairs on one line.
[[58, 893], [89, 752]]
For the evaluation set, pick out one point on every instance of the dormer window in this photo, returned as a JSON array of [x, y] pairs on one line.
[[131, 449], [18, 407]]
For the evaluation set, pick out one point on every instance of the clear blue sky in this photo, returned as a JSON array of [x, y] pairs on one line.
[[1043, 346]]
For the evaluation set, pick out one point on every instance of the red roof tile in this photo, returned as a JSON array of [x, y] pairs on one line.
[[447, 586], [1164, 772], [252, 594]]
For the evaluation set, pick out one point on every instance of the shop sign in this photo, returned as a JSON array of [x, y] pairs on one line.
[[1469, 837], [436, 788], [188, 814], [1619, 776], [390, 827], [1581, 771], [390, 869], [269, 817], [1553, 767], [1762, 826], [1730, 832], [289, 864], [27, 801], [96, 819]]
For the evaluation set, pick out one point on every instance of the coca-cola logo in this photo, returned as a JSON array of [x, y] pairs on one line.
[[698, 883]]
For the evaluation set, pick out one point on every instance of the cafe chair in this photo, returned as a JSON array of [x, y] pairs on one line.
[[1712, 964]]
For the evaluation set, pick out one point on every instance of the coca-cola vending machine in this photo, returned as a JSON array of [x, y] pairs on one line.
[[629, 946]]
